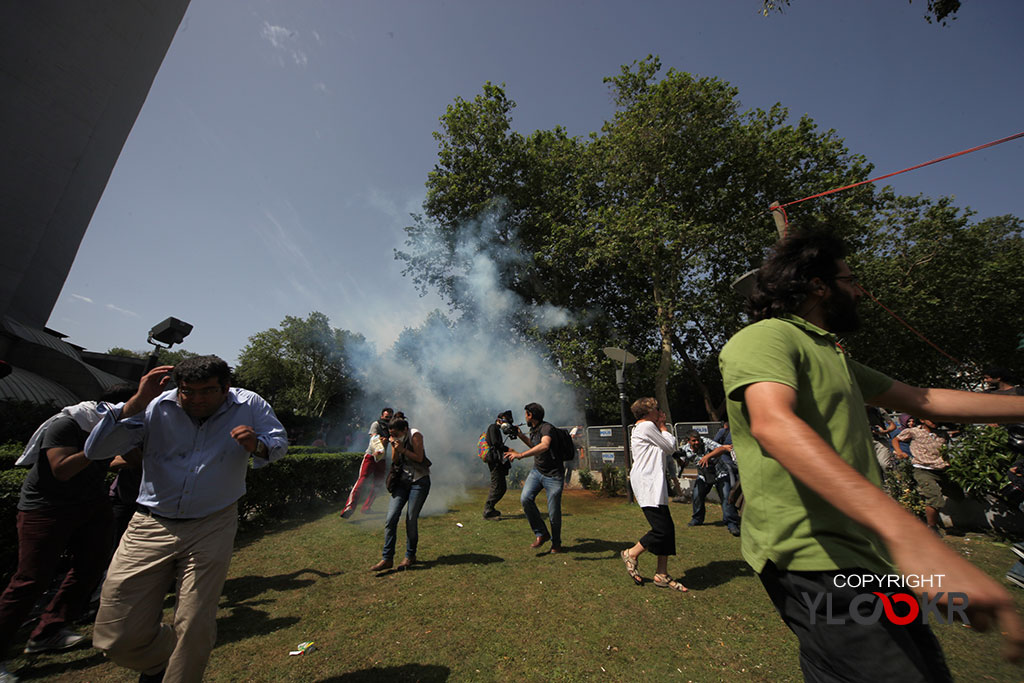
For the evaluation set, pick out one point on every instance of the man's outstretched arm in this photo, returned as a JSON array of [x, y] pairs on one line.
[[915, 550], [950, 405]]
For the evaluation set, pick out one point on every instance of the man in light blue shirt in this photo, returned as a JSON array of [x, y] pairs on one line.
[[196, 442]]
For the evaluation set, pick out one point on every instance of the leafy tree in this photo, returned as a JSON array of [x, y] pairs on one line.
[[957, 282], [304, 366], [163, 356], [628, 227], [938, 11]]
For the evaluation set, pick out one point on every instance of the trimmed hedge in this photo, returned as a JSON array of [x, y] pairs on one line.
[[9, 453], [306, 450], [296, 481]]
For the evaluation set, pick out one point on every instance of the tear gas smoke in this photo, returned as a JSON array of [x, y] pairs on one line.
[[452, 378]]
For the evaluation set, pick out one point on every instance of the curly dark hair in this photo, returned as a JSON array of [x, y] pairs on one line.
[[200, 368], [784, 281]]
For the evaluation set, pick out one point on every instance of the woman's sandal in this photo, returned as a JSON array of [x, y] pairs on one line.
[[631, 568], [666, 581]]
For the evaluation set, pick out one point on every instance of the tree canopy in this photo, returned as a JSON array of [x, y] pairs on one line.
[[639, 230], [304, 366], [937, 11]]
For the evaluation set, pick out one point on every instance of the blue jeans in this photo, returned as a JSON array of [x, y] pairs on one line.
[[535, 481], [724, 486], [415, 494]]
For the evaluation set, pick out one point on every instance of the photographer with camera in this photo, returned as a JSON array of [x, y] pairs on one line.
[[497, 462], [548, 473]]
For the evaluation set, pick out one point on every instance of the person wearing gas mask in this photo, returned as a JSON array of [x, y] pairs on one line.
[[497, 463]]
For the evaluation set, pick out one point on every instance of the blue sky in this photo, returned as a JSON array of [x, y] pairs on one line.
[[284, 144]]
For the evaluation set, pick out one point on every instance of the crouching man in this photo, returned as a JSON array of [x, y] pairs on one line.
[[196, 442]]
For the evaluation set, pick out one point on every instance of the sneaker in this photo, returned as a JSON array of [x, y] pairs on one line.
[[492, 514], [734, 530], [1011, 576], [694, 522], [1019, 549], [62, 640]]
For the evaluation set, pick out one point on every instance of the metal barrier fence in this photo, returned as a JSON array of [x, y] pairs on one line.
[[604, 443]]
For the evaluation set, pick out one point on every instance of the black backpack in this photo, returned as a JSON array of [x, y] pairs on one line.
[[562, 446]]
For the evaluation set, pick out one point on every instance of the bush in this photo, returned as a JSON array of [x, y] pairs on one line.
[[979, 460], [517, 475], [297, 480], [587, 480], [9, 453], [305, 450], [613, 480], [900, 485]]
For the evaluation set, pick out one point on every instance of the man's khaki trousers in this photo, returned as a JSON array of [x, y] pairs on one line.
[[156, 553]]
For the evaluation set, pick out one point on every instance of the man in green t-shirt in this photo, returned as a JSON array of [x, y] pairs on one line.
[[816, 519]]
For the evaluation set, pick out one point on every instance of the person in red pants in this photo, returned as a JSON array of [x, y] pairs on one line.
[[373, 464], [63, 508]]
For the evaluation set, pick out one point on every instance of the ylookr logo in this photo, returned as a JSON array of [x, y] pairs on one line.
[[900, 608]]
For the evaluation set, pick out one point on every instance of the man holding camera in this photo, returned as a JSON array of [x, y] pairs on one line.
[[548, 473], [497, 463]]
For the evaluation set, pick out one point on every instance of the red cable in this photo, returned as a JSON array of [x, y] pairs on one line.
[[912, 168], [785, 217], [908, 326]]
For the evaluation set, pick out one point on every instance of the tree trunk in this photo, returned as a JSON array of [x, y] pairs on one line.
[[709, 405], [665, 362]]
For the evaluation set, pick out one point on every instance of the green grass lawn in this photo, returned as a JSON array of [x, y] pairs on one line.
[[484, 606]]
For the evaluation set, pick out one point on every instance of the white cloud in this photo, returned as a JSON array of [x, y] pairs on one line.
[[322, 87], [122, 311], [277, 35], [285, 41], [82, 298]]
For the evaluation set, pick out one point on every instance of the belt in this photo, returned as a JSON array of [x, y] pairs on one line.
[[149, 513]]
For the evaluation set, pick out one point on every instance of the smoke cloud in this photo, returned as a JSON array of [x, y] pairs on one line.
[[452, 377]]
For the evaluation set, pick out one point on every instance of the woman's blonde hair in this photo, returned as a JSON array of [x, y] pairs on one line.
[[643, 407]]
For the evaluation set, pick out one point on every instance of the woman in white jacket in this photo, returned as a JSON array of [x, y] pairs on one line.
[[651, 445]]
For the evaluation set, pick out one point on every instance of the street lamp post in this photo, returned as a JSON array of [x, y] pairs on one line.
[[623, 357]]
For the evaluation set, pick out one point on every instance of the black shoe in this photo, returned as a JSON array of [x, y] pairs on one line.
[[734, 530], [491, 514], [694, 522], [151, 678], [62, 640]]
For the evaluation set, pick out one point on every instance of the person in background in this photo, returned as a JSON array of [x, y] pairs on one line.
[[373, 465], [548, 473], [651, 445], [62, 509], [929, 468], [497, 463], [411, 485], [715, 468]]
